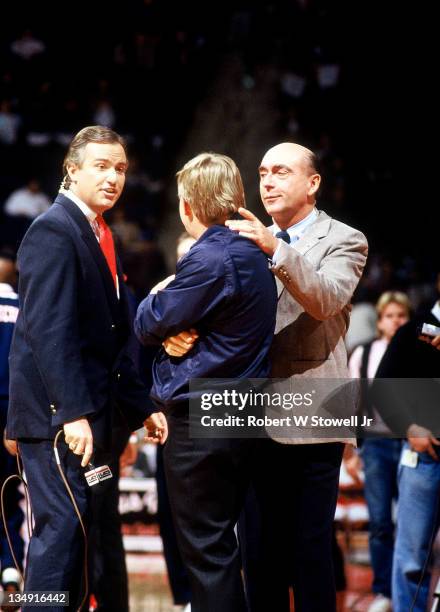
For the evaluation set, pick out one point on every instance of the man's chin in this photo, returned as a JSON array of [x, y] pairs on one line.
[[272, 208], [102, 206], [107, 203]]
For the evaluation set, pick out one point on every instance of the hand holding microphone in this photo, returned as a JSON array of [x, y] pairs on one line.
[[79, 438], [430, 334]]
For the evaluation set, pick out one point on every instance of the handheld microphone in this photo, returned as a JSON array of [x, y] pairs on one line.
[[95, 475]]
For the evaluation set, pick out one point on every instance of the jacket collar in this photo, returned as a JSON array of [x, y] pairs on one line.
[[81, 221], [313, 234]]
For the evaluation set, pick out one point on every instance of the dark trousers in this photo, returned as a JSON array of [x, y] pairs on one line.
[[177, 574], [107, 567], [55, 559], [286, 527], [207, 482]]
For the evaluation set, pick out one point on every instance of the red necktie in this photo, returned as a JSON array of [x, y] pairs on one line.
[[107, 245]]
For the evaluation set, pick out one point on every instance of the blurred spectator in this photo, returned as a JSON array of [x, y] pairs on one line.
[[104, 114], [143, 198], [10, 578], [362, 325], [293, 85], [69, 120], [327, 75], [127, 232], [9, 124], [27, 201], [380, 456], [40, 115], [27, 46]]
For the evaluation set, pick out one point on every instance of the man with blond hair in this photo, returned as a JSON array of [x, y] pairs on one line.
[[214, 291]]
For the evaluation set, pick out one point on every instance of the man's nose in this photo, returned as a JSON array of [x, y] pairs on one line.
[[112, 175], [267, 181]]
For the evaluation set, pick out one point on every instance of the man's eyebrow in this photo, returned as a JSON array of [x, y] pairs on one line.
[[105, 159], [276, 167]]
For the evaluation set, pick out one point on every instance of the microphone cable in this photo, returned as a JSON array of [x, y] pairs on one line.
[[78, 513], [19, 477]]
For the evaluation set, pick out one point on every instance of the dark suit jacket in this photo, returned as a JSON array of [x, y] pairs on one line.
[[223, 288], [406, 388], [68, 356]]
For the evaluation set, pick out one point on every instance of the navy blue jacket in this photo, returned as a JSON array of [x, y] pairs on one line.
[[224, 288], [68, 356]]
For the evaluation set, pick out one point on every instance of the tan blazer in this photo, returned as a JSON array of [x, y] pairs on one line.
[[316, 278]]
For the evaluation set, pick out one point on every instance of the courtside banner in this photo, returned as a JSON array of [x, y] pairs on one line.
[[310, 408]]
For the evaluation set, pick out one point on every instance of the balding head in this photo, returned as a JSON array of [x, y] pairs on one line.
[[288, 183], [295, 153]]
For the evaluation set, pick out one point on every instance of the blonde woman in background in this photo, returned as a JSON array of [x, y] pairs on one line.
[[380, 455]]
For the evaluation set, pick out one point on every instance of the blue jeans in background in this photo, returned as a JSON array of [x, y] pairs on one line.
[[417, 523], [381, 460]]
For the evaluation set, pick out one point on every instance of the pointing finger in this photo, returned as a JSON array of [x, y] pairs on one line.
[[246, 214]]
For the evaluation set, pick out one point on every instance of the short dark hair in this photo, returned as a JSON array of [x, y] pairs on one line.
[[92, 133]]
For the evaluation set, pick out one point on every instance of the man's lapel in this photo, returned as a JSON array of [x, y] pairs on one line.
[[90, 240], [313, 234]]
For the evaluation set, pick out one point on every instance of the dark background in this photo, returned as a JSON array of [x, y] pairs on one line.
[[375, 126]]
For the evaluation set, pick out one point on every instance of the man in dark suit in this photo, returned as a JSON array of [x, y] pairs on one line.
[[69, 368], [214, 290]]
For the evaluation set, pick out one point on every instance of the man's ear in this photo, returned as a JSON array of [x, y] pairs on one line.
[[315, 181], [188, 210], [71, 171]]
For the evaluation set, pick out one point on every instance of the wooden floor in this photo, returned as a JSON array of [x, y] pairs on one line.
[[149, 590], [150, 593]]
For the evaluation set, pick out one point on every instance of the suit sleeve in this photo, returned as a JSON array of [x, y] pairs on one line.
[[199, 287], [323, 292], [132, 393], [393, 391], [48, 283]]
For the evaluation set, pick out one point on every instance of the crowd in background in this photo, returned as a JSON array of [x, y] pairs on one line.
[[145, 79], [145, 75]]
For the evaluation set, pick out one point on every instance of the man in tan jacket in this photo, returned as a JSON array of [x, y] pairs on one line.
[[318, 262]]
